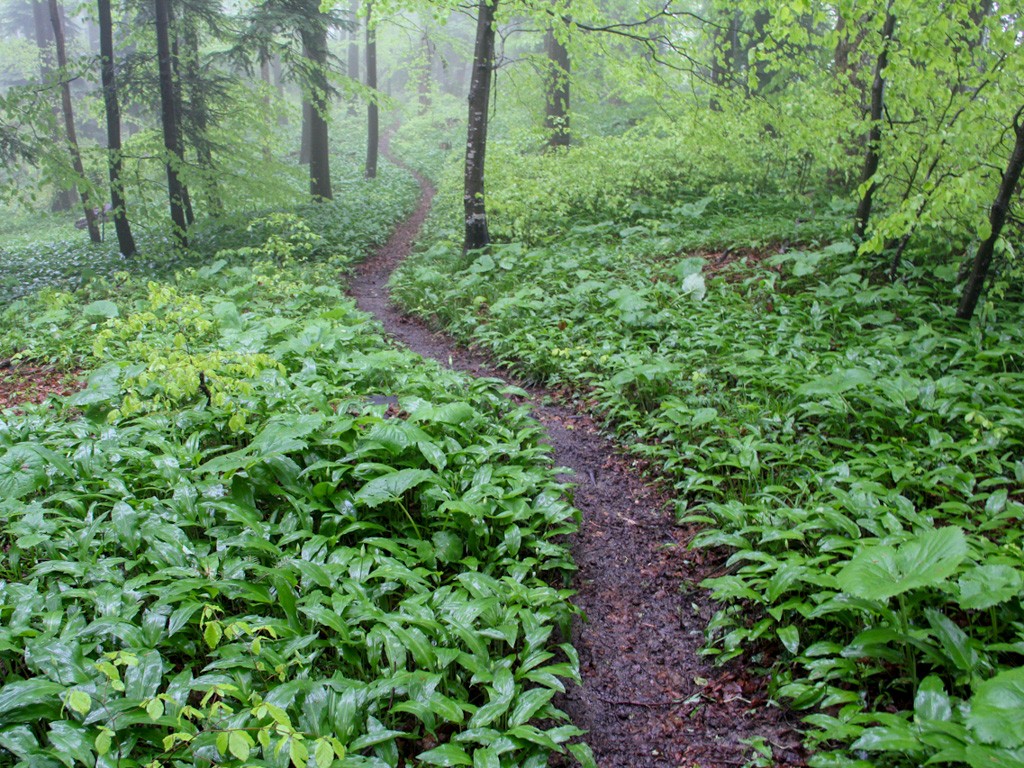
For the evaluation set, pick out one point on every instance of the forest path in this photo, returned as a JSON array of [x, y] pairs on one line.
[[648, 700]]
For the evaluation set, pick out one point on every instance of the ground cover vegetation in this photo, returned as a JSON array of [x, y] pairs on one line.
[[260, 535], [738, 230]]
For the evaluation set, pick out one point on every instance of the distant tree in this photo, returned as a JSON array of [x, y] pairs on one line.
[[176, 191], [112, 110], [372, 109], [69, 119], [557, 82]]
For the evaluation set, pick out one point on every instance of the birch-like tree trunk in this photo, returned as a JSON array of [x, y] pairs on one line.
[[477, 234]]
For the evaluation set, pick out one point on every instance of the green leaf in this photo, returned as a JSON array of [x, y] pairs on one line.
[[987, 585], [931, 702], [486, 758], [528, 705], [391, 486], [323, 753], [239, 744], [583, 754], [446, 754], [99, 310], [790, 638], [878, 571], [836, 383], [995, 710], [27, 693], [78, 701], [888, 739]]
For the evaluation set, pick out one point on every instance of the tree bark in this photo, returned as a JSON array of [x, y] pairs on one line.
[[69, 119], [996, 218], [557, 88], [477, 234], [169, 118], [314, 41], [871, 156], [119, 208], [372, 109]]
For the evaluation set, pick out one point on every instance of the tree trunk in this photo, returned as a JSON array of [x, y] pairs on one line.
[[63, 199], [996, 218], [169, 118], [268, 84], [69, 119], [314, 41], [477, 234], [200, 111], [119, 209], [372, 109], [871, 156], [426, 74], [556, 86], [179, 108], [307, 132]]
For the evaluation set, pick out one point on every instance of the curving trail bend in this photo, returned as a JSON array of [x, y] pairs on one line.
[[648, 699]]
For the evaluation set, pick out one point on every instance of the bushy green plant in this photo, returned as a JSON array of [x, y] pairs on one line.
[[261, 535]]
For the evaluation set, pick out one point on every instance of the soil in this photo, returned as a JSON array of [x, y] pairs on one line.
[[28, 383], [648, 699]]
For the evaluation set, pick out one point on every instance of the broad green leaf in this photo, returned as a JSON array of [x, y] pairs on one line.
[[836, 383], [987, 585], [995, 710], [27, 693], [931, 702], [445, 755], [100, 310], [878, 571], [391, 486]]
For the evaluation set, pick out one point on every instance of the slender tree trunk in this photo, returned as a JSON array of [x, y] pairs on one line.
[[119, 208], [179, 107], [307, 132], [996, 218], [169, 118], [353, 54], [871, 156], [372, 109], [69, 119], [477, 234], [314, 40], [275, 69], [63, 199], [200, 117], [426, 74], [556, 87], [268, 155]]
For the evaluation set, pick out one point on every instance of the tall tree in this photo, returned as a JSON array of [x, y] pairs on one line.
[[477, 233], [996, 220], [372, 109], [169, 119], [69, 118], [119, 208]]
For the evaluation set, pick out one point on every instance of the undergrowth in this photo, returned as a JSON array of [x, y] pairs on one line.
[[855, 451], [260, 535]]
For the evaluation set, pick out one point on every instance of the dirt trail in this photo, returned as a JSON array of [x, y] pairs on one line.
[[647, 699]]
